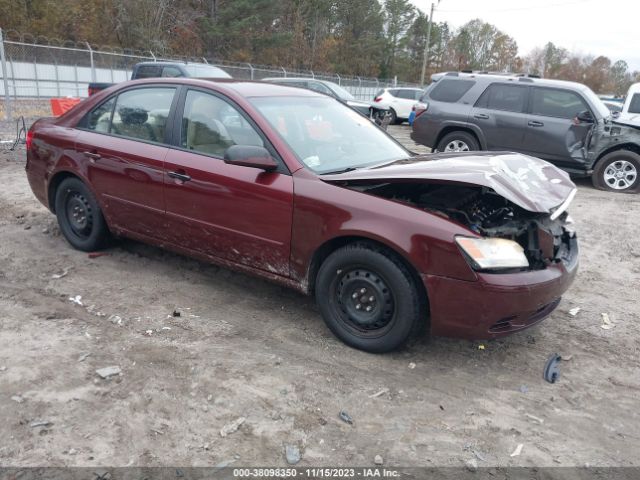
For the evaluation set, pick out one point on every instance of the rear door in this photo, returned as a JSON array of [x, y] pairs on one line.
[[236, 213], [500, 114], [125, 142], [405, 101], [552, 133]]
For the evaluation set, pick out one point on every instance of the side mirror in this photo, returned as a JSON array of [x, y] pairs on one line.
[[584, 117], [250, 156]]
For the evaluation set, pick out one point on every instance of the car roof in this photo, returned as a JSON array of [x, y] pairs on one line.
[[404, 88], [245, 88], [297, 79], [509, 78], [176, 62]]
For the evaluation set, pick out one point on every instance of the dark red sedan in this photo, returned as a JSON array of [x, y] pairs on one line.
[[295, 187]]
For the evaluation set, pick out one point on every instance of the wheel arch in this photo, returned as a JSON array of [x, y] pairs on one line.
[[58, 177], [460, 128], [333, 244], [632, 147], [55, 182]]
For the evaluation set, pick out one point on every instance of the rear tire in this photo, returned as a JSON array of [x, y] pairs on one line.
[[368, 299], [618, 172], [393, 117], [458, 141], [79, 216]]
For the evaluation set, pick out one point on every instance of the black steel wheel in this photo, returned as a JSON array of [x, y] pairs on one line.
[[368, 298], [79, 216]]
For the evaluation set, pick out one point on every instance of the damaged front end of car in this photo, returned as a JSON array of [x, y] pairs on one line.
[[510, 225], [508, 236], [513, 206]]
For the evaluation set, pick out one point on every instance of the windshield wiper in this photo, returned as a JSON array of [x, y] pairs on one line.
[[344, 170]]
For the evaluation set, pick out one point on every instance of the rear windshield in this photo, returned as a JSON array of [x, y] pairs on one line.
[[148, 71], [205, 71], [448, 90], [634, 105]]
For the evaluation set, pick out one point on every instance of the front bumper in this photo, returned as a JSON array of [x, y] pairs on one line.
[[497, 304]]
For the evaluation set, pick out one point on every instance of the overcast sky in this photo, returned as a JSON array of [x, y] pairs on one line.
[[596, 27]]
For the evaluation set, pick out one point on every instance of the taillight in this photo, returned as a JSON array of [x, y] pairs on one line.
[[420, 108], [29, 139], [377, 99]]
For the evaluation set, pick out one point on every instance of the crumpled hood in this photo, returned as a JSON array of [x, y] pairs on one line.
[[529, 182]]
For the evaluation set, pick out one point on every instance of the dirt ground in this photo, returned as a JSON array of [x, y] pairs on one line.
[[245, 348]]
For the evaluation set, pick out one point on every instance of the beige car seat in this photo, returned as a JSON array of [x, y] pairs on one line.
[[204, 132]]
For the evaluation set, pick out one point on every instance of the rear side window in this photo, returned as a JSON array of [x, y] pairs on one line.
[[408, 94], [509, 98], [556, 103], [171, 72], [450, 90], [142, 114], [393, 92], [99, 119], [634, 105], [148, 71]]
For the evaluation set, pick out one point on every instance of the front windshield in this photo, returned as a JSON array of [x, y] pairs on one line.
[[340, 92], [326, 135], [597, 103]]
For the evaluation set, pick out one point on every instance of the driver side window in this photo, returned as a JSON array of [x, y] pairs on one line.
[[210, 125]]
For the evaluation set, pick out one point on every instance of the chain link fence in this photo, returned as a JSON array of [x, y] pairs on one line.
[[35, 69]]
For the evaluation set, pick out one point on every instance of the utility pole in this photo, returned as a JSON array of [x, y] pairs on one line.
[[426, 44]]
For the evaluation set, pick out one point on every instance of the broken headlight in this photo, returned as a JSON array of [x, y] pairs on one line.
[[493, 253]]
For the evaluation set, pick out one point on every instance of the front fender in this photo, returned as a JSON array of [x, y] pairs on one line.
[[324, 212]]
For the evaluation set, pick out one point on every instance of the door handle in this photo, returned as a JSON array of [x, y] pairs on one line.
[[534, 123], [481, 116], [93, 155], [180, 176]]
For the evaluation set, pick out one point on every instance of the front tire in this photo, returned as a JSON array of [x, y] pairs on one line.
[[618, 171], [79, 216], [368, 299], [458, 141]]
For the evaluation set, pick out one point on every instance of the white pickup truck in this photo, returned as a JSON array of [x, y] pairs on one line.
[[630, 114]]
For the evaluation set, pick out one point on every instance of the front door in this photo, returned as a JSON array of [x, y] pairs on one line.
[[500, 114], [552, 133], [123, 140], [240, 214]]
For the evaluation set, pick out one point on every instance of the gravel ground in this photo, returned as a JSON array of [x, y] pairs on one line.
[[246, 349]]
